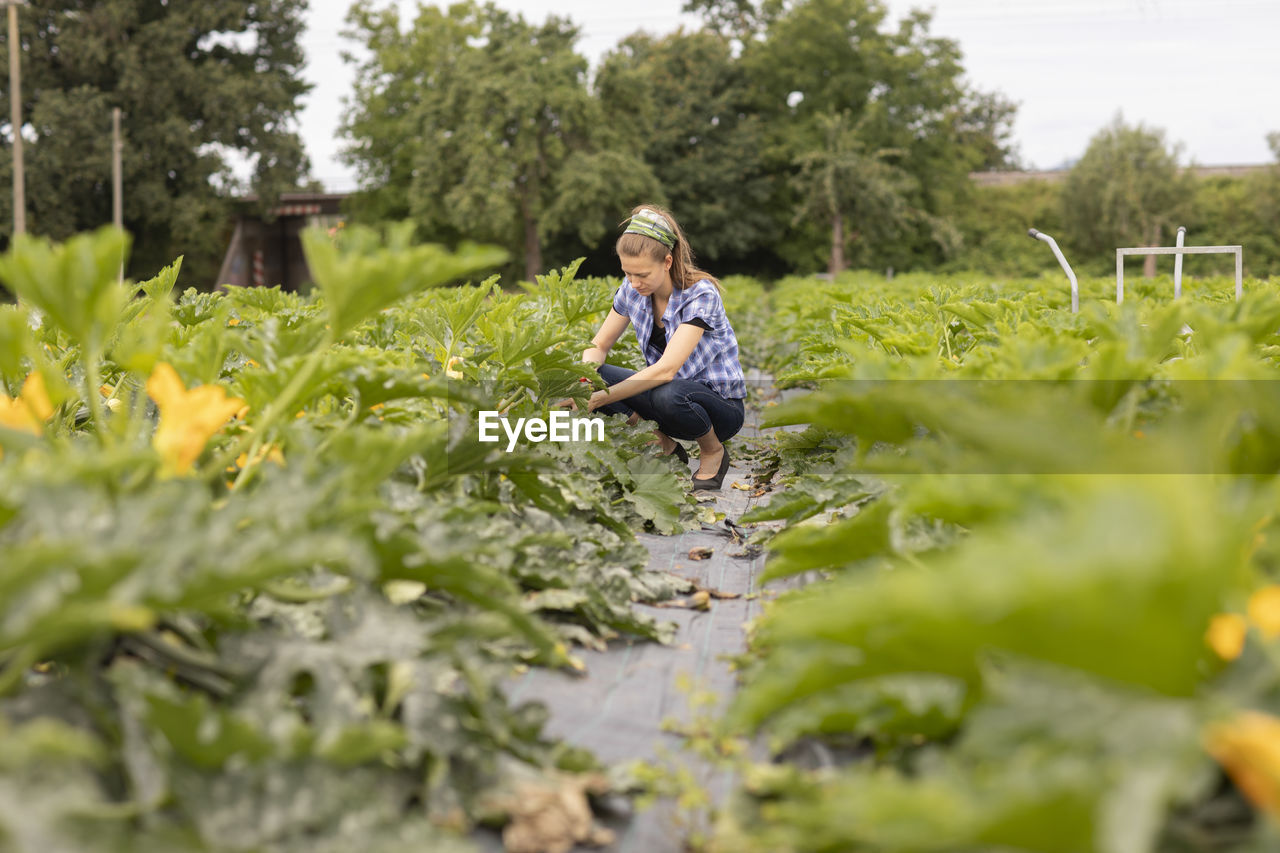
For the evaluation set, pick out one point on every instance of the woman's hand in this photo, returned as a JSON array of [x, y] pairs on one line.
[[598, 399]]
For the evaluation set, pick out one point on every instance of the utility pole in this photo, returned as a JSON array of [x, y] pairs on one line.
[[15, 116], [117, 182], [117, 177]]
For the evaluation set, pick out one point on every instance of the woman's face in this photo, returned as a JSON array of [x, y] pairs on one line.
[[646, 275]]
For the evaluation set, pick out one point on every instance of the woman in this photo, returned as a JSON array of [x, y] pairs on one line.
[[693, 386]]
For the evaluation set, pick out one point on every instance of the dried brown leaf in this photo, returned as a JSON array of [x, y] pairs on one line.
[[553, 818]]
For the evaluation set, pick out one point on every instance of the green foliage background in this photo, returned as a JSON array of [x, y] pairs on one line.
[[193, 81], [786, 136], [1008, 528], [302, 640], [778, 133], [1215, 210], [475, 121]]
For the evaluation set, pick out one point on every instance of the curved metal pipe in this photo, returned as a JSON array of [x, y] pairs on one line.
[[1057, 253]]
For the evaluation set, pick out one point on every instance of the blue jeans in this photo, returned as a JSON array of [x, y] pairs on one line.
[[683, 409]]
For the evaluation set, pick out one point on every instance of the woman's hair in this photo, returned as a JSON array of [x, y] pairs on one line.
[[683, 273]]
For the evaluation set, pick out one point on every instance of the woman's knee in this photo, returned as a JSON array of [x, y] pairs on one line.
[[677, 413], [727, 418], [727, 430]]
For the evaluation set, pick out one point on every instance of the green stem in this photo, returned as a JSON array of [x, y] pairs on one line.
[[177, 654], [13, 669], [279, 406], [304, 595], [93, 381], [510, 401], [200, 670]]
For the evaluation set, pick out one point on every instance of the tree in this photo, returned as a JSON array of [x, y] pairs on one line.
[[738, 19], [478, 124], [900, 91], [985, 126], [685, 102], [193, 81], [1260, 231], [859, 192], [1126, 190]]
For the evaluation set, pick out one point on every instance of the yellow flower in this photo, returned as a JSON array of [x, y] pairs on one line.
[[449, 368], [271, 453], [30, 409], [1226, 635], [1248, 748], [1264, 611], [188, 418]]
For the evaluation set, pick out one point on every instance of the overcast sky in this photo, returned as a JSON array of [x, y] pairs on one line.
[[1207, 72]]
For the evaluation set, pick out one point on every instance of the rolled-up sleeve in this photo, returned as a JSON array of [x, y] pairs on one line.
[[620, 300], [705, 307]]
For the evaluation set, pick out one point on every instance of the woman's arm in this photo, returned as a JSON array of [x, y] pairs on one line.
[[678, 350], [610, 330]]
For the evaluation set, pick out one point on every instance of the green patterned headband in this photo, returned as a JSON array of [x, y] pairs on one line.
[[650, 223]]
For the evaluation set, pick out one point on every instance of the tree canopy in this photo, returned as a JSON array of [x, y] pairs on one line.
[[1127, 189], [477, 123], [685, 104], [474, 122], [900, 99], [195, 82]]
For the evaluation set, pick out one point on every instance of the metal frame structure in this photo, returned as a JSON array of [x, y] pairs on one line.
[[1178, 251]]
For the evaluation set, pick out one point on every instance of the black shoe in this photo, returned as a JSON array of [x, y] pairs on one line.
[[715, 482], [680, 453]]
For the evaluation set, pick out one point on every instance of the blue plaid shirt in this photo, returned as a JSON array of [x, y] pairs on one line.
[[714, 361]]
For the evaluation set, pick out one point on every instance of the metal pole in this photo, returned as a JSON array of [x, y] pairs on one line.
[[1119, 277], [15, 116], [117, 178], [1177, 264], [1062, 262]]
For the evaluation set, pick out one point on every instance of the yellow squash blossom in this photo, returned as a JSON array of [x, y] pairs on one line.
[[1248, 748], [188, 418], [1227, 631], [1226, 635], [30, 409], [1264, 611], [271, 453]]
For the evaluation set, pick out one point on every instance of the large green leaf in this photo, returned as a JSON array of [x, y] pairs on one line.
[[360, 274], [75, 284], [1120, 584]]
